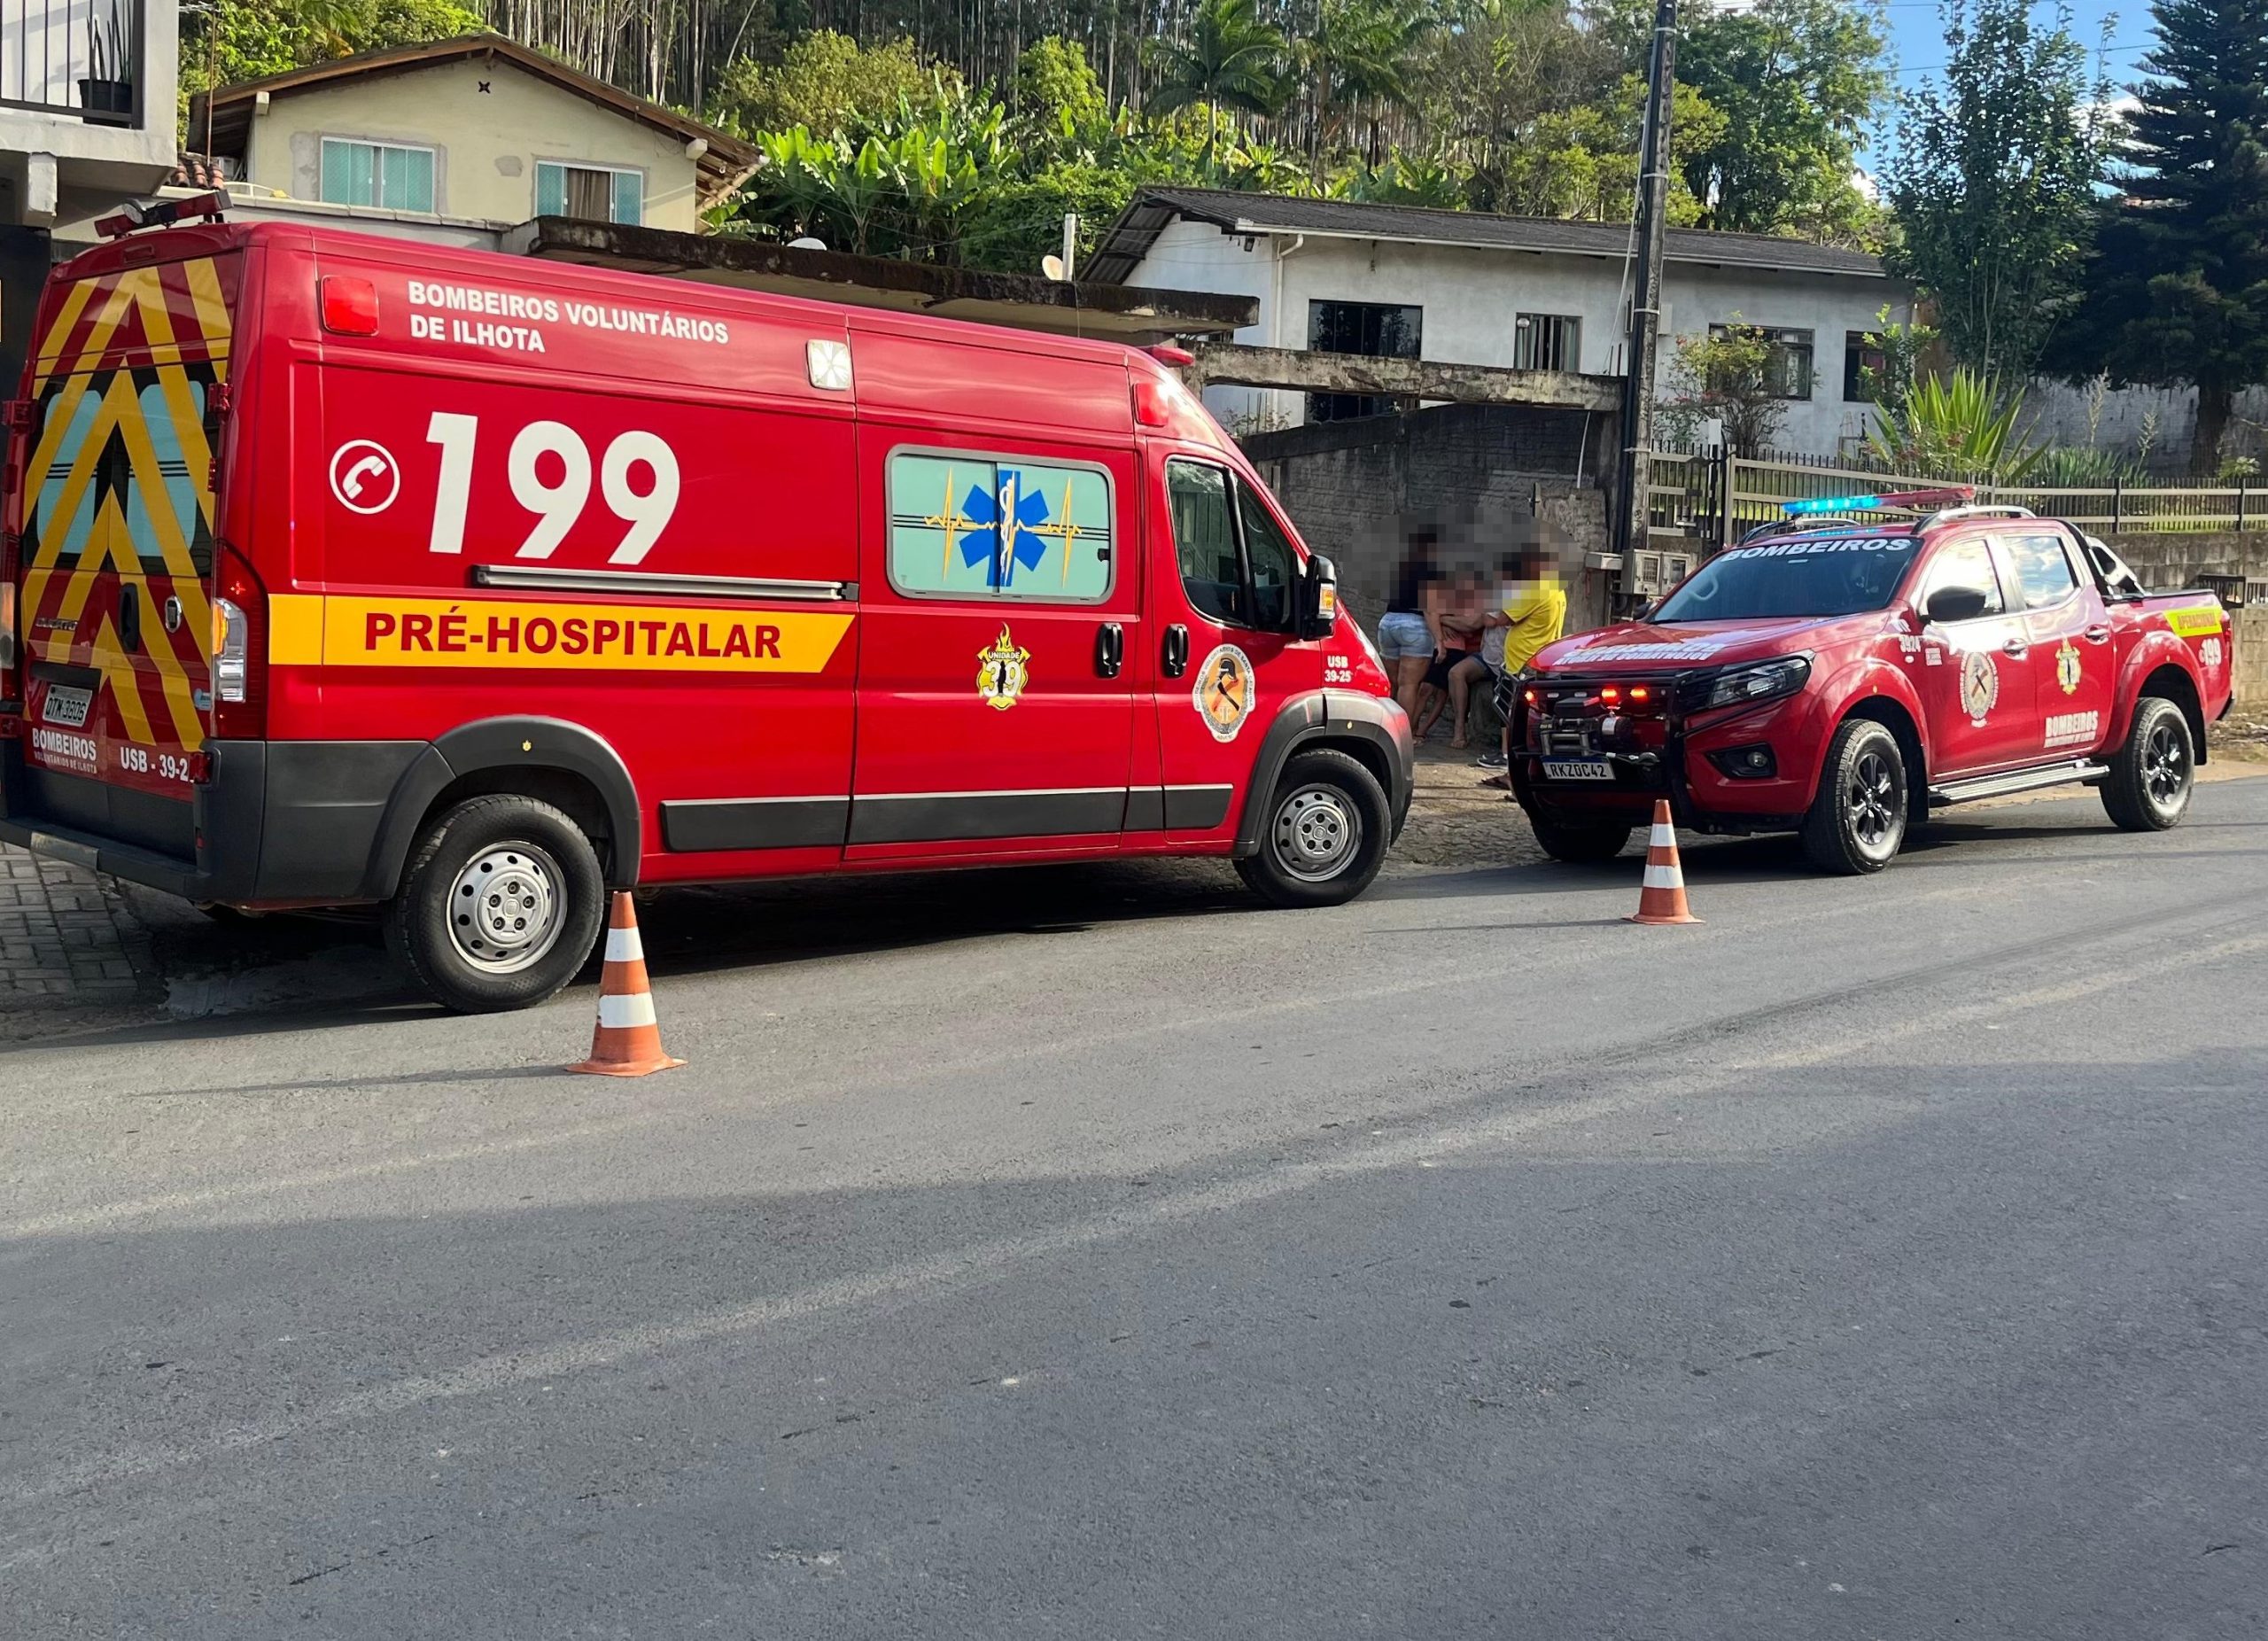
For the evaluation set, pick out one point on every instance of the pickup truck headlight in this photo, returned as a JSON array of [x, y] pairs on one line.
[[1766, 680]]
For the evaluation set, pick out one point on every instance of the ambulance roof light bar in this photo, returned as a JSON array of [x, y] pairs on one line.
[[135, 213]]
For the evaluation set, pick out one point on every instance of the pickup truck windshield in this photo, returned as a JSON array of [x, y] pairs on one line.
[[1809, 576]]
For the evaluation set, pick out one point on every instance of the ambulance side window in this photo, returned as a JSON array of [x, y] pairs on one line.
[[1205, 540], [1275, 567]]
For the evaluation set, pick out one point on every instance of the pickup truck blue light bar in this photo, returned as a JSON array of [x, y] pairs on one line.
[[1946, 496]]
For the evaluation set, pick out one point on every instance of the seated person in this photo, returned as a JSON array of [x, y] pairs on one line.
[[1457, 615]]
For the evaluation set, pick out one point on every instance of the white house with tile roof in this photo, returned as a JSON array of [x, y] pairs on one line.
[[1465, 288]]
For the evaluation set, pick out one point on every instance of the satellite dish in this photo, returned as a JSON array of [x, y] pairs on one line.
[[1052, 266], [807, 244]]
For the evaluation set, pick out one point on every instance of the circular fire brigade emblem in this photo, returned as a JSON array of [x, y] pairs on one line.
[[1980, 684], [1002, 670], [2067, 667], [1225, 691]]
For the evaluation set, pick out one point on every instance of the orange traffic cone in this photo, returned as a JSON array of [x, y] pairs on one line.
[[1663, 899], [627, 1043]]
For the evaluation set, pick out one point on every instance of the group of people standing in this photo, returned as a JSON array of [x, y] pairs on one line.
[[1447, 632]]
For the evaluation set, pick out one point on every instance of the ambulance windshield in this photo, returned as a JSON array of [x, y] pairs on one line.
[[1811, 576]]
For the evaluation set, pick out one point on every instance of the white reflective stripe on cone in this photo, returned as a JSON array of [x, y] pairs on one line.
[[1662, 836], [1657, 878], [628, 1011], [622, 945]]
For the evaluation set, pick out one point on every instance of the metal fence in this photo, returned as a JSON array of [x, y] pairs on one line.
[[1715, 497], [77, 57]]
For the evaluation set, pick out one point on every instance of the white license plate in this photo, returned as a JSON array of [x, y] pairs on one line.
[[1578, 769], [67, 707]]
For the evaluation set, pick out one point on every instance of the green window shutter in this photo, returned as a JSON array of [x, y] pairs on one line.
[[418, 182], [346, 172], [550, 190], [629, 196]]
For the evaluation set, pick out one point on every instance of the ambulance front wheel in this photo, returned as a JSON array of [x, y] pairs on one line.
[[499, 904], [1325, 835]]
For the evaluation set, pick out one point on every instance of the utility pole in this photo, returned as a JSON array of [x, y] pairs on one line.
[[1631, 504]]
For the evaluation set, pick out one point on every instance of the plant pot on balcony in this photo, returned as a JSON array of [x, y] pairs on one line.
[[106, 96]]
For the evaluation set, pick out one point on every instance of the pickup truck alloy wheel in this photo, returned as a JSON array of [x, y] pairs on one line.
[[500, 905], [2152, 776], [2165, 764], [1328, 826], [1877, 807], [1858, 819]]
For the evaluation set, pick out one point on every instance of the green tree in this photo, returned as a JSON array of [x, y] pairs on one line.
[[1056, 87], [1725, 375], [1362, 60], [1227, 59], [1994, 179], [1582, 162], [227, 41], [828, 82], [2178, 290], [1797, 82]]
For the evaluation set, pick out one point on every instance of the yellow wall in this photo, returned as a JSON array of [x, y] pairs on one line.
[[486, 143]]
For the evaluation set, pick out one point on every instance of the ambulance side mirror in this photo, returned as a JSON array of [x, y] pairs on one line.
[[1318, 597]]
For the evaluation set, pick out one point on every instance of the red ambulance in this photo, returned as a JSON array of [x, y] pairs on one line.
[[341, 570]]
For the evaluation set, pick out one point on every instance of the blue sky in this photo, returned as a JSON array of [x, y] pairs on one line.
[[1917, 43]]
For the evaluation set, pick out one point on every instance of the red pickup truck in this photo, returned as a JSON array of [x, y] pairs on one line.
[[1840, 679]]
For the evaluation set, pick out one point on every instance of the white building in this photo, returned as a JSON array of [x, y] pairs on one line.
[[88, 101], [1527, 293], [89, 95]]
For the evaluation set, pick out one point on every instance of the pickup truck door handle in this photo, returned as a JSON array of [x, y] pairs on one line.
[[2098, 634], [2016, 647], [1176, 661], [129, 616], [1110, 648]]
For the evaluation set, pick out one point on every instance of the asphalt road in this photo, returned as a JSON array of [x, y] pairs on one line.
[[1084, 1254]]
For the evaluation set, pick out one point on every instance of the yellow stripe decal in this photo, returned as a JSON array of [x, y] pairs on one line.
[[341, 631]]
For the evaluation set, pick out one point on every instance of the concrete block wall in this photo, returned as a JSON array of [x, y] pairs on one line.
[[2252, 659], [2171, 559], [1356, 489]]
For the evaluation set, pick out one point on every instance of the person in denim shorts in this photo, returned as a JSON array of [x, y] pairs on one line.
[[1409, 638]]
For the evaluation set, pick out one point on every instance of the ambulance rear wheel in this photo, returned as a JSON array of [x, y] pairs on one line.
[[500, 905], [1325, 835]]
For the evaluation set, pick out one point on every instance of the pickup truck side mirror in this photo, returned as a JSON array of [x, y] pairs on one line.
[[1956, 603], [1645, 611], [1318, 598]]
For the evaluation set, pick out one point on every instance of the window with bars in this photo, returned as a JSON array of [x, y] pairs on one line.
[[1547, 342], [590, 193], [1865, 363], [1788, 358], [393, 176], [1378, 329]]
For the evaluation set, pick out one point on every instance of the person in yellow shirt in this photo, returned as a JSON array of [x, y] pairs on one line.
[[1532, 612]]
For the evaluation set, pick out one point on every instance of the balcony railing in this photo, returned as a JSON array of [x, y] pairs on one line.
[[80, 59]]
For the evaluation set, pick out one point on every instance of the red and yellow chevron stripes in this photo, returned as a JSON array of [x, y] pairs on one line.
[[118, 490]]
